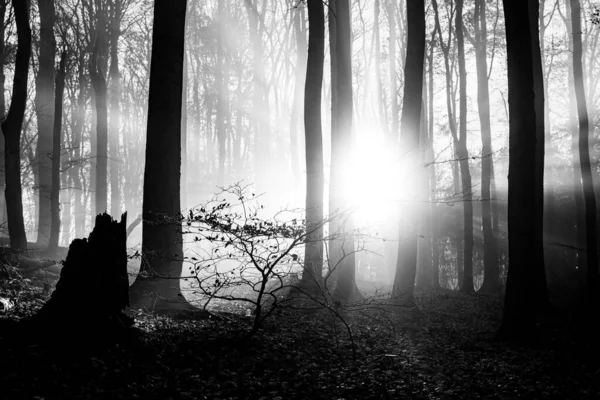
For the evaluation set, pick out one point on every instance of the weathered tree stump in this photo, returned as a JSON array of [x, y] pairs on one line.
[[93, 288]]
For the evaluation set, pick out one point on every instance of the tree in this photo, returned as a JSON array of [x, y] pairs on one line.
[[410, 125], [591, 249], [97, 68], [313, 259], [491, 278], [342, 253], [56, 147], [44, 109], [520, 301], [158, 287], [462, 154], [11, 128], [3, 5], [116, 10], [538, 86]]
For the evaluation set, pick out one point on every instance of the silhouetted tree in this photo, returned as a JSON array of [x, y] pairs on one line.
[[313, 259], [591, 245], [44, 109], [538, 86], [520, 302], [11, 128], [158, 287], [341, 251], [491, 278], [410, 125], [56, 148]]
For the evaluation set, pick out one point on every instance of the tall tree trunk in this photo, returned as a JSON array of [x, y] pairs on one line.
[[98, 64], [434, 220], [591, 266], [162, 248], [404, 281], [259, 114], [56, 144], [77, 145], [463, 156], [541, 294], [115, 113], [491, 277], [424, 277], [313, 253], [519, 303], [580, 222], [3, 216], [378, 89], [340, 148], [11, 128], [223, 94], [44, 109], [391, 14], [299, 79], [184, 134]]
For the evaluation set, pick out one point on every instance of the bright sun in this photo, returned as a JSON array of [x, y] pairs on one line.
[[375, 179]]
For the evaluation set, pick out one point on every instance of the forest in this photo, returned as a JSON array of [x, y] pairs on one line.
[[298, 199]]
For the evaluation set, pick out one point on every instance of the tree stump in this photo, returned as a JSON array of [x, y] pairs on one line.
[[93, 288]]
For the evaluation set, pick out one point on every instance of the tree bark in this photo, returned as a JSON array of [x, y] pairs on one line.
[[157, 287], [591, 266], [3, 216], [56, 147], [540, 286], [115, 113], [44, 109], [391, 14], [404, 281], [520, 301], [11, 128], [299, 87], [345, 288], [313, 253], [98, 64], [463, 156], [491, 274]]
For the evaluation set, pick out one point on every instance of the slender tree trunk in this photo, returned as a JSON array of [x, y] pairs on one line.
[[340, 148], [520, 301], [404, 281], [260, 121], [98, 64], [301, 60], [424, 277], [184, 134], [11, 128], [44, 108], [115, 113], [434, 222], [391, 13], [540, 285], [580, 222], [77, 145], [313, 254], [162, 247], [3, 216], [491, 277], [591, 266], [56, 147], [463, 156], [222, 93]]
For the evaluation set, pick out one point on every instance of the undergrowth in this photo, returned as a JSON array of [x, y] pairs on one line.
[[444, 348]]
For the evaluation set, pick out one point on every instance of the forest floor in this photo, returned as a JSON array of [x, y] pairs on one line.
[[444, 348]]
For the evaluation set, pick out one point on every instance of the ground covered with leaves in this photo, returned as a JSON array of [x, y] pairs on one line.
[[444, 348]]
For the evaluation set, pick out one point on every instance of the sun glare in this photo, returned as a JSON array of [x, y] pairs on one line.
[[375, 177]]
